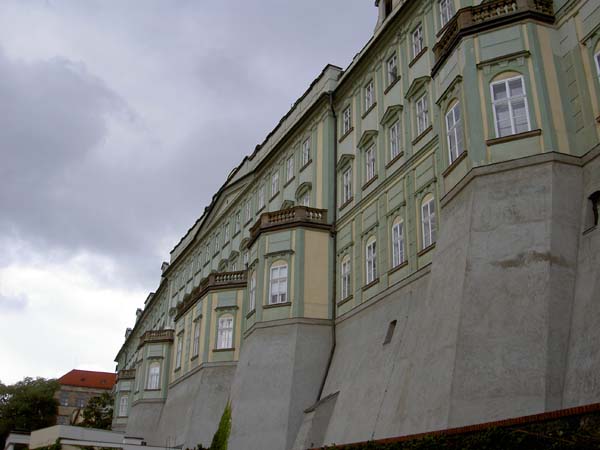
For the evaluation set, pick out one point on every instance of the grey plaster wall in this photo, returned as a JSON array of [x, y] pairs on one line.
[[279, 373], [143, 419]]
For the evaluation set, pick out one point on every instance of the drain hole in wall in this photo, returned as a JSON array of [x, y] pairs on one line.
[[390, 332]]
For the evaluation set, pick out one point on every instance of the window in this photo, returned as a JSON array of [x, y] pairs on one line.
[[370, 162], [347, 185], [179, 350], [252, 293], [305, 199], [346, 120], [511, 113], [246, 258], [290, 168], [306, 152], [226, 232], [274, 183], [217, 242], [225, 332], [278, 292], [247, 211], [597, 58], [371, 261], [123, 403], [388, 7], [238, 222], [346, 271], [446, 11], [207, 254], [392, 69], [154, 376], [595, 201], [196, 343], [234, 266], [81, 402], [422, 107], [454, 132], [397, 244], [261, 198], [64, 399], [395, 140], [428, 221], [417, 40], [369, 95]]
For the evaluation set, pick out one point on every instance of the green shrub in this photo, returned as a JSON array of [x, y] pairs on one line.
[[221, 437]]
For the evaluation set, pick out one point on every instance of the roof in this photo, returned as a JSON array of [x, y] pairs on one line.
[[89, 379]]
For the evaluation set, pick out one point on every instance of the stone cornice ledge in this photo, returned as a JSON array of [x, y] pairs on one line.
[[543, 158], [284, 322]]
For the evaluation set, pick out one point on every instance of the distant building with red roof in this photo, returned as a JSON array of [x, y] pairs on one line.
[[76, 388]]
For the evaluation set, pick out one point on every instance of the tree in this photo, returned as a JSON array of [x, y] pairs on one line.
[[98, 412], [221, 437], [27, 405]]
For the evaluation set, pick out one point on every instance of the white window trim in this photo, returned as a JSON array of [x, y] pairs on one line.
[[369, 95], [370, 163], [196, 342], [428, 222], [306, 152], [274, 183], [290, 168], [394, 134], [454, 133], [417, 40], [346, 273], [371, 261], [346, 120], [252, 293], [422, 114], [597, 59], [123, 406], [347, 185], [398, 254], [449, 10], [508, 100], [261, 197], [305, 199], [392, 77], [179, 352], [275, 277], [225, 332], [153, 378]]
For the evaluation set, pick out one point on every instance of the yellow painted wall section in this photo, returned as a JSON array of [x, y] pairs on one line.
[[316, 261]]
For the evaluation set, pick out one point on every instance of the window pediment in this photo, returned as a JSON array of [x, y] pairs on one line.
[[416, 86], [390, 113], [366, 138], [344, 160], [306, 186]]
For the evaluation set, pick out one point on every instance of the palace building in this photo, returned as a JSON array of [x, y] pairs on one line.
[[415, 246]]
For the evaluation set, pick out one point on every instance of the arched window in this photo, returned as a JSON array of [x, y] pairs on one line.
[[154, 376], [511, 111], [278, 283], [252, 293], [371, 260], [225, 331], [397, 243], [454, 132], [123, 404], [428, 220], [346, 269]]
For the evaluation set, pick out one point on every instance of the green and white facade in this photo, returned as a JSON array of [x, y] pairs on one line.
[[415, 245]]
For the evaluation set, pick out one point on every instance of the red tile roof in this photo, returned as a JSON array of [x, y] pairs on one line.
[[86, 378]]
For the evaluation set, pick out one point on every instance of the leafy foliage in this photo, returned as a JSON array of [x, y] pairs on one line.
[[98, 412], [27, 405], [221, 437]]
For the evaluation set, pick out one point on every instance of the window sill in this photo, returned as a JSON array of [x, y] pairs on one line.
[[194, 357], [370, 182], [371, 108], [152, 390], [277, 305], [306, 165], [346, 203], [225, 308], [426, 250], [248, 222], [394, 160], [420, 136], [288, 182], [370, 285], [273, 196], [417, 57], [590, 230], [346, 134], [235, 234], [345, 300], [391, 85], [455, 163], [219, 350], [251, 313], [398, 267], [177, 369], [513, 137], [259, 210]]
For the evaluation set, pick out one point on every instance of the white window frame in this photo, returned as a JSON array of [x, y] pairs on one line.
[[179, 353], [398, 255], [196, 342], [238, 221], [252, 293], [510, 100], [347, 185], [275, 183], [370, 163], [261, 197], [248, 212], [394, 134], [428, 223], [290, 168], [371, 261], [597, 59], [346, 274], [153, 376], [278, 289], [217, 242], [369, 95], [225, 332], [454, 132], [226, 233], [246, 258], [305, 152], [422, 113], [123, 406], [346, 120], [305, 199], [417, 40], [446, 11], [392, 69]]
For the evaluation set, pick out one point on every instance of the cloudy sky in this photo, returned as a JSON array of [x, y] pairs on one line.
[[118, 121]]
